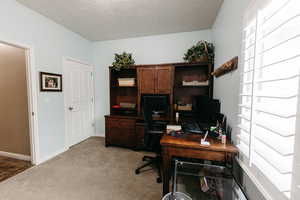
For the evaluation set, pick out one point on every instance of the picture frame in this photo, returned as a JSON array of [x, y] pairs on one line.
[[50, 82]]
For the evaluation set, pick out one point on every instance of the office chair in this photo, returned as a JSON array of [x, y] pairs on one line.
[[153, 133]]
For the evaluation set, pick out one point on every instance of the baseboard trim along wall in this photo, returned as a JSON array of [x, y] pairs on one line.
[[15, 155], [50, 156]]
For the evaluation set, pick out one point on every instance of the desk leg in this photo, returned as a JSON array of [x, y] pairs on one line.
[[166, 170]]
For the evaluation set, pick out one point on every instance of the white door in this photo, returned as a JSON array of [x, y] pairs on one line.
[[79, 101]]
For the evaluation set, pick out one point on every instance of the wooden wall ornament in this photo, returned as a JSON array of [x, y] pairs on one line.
[[226, 67]]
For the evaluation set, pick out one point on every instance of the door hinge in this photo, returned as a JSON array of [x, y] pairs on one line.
[[32, 113], [91, 74]]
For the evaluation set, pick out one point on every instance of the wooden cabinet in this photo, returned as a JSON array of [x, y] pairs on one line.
[[155, 79], [124, 126], [164, 80], [146, 80], [120, 131]]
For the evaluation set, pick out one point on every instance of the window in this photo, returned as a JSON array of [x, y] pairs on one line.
[[269, 94]]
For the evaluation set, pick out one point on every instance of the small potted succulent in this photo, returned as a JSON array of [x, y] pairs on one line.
[[122, 61], [201, 52]]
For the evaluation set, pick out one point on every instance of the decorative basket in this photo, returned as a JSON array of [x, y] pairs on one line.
[[201, 52]]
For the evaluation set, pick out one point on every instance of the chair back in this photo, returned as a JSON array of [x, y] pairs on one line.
[[153, 129]]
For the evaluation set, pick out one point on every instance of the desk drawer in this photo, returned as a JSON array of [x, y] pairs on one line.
[[196, 153]]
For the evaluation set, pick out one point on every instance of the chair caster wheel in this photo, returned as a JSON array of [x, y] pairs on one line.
[[158, 180], [137, 171]]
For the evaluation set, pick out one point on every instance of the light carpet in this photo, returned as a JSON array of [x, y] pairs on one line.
[[88, 171]]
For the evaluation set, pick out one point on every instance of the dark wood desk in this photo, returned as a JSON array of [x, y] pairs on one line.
[[190, 147]]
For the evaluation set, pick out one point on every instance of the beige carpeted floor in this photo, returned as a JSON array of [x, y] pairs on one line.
[[88, 171]]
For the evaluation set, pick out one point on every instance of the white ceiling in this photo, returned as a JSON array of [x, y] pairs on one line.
[[115, 19]]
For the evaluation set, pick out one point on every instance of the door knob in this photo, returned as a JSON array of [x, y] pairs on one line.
[[71, 108]]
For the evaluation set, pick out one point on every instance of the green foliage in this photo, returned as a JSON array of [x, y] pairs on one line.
[[122, 61], [199, 52]]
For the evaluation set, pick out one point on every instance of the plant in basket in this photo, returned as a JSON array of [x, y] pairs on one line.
[[201, 52]]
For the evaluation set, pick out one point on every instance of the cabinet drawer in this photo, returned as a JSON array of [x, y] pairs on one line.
[[121, 123], [127, 123], [112, 123], [120, 132]]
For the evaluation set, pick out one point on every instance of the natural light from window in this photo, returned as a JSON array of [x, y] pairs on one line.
[[270, 90]]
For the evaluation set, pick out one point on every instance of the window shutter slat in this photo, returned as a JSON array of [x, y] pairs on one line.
[[281, 181], [284, 145], [269, 91]]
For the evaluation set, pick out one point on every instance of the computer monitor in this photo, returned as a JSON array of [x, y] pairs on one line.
[[158, 104], [205, 108]]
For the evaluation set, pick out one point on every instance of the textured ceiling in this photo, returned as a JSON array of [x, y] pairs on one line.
[[114, 19]]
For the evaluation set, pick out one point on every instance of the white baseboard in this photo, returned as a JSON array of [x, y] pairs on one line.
[[50, 156], [15, 155], [99, 135]]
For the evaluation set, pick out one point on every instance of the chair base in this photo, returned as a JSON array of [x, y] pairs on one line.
[[151, 161]]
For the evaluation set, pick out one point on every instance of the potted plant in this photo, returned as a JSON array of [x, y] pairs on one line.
[[201, 52], [122, 61]]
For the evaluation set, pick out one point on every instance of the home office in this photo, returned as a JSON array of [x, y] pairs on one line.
[[160, 99], [148, 100]]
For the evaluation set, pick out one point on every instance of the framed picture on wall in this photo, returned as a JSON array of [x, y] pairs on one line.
[[50, 82]]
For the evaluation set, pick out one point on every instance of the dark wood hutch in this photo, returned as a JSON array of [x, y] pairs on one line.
[[124, 126]]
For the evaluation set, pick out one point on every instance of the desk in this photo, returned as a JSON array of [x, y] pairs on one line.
[[190, 147]]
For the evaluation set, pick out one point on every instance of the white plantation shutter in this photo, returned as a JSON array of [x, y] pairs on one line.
[[270, 90], [245, 116]]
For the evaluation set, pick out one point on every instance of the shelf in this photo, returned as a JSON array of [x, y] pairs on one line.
[[123, 86], [195, 64], [191, 86], [124, 109]]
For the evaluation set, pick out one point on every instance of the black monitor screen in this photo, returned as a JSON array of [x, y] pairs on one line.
[[156, 103]]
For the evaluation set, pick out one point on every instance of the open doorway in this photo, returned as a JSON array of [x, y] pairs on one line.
[[16, 131]]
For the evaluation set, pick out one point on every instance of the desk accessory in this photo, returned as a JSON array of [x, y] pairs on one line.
[[177, 117], [203, 141]]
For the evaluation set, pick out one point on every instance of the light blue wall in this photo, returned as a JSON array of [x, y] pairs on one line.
[[227, 38], [156, 49], [51, 42]]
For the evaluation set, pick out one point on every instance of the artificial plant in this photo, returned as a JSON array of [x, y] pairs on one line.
[[122, 61], [202, 51]]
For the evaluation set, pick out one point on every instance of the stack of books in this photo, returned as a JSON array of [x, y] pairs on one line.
[[126, 82]]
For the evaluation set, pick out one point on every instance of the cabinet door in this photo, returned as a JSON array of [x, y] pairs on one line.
[[164, 77], [146, 76], [140, 130], [120, 132]]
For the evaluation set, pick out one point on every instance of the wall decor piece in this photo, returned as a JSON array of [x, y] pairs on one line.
[[50, 82], [226, 67]]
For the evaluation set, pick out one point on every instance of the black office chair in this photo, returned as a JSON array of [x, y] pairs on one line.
[[153, 133]]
